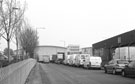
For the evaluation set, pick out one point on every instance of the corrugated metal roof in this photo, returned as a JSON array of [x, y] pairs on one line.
[[51, 46], [126, 39]]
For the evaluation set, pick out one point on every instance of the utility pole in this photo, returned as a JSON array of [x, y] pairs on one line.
[[119, 42], [64, 43], [16, 36], [37, 34]]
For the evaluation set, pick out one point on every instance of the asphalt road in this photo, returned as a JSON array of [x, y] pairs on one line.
[[61, 74]]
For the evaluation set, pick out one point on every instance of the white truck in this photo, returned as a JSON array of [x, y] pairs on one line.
[[60, 58], [44, 58], [77, 60], [92, 62], [40, 58], [72, 59]]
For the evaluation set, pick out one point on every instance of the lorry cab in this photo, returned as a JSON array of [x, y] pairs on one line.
[[46, 58]]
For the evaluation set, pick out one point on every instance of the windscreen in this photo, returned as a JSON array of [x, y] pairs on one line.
[[82, 56], [95, 59], [122, 62]]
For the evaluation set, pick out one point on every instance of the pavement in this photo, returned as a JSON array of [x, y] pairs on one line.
[[34, 76], [61, 74]]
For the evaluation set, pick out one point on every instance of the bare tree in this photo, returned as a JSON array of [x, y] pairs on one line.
[[28, 40], [11, 14]]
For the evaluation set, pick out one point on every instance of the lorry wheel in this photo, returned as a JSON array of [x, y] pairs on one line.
[[87, 67], [84, 66], [114, 72], [123, 73], [105, 70]]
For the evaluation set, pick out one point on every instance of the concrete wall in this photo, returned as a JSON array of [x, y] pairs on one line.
[[16, 73]]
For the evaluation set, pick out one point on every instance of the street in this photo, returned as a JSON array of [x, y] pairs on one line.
[[62, 74]]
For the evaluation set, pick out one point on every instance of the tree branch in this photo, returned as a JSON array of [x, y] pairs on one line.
[[4, 37]]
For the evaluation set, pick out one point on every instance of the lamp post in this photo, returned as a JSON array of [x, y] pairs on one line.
[[129, 58], [16, 34], [40, 28], [1, 2], [1, 6], [63, 42], [37, 33], [64, 47], [0, 11], [119, 43]]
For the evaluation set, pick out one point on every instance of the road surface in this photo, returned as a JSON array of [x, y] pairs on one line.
[[61, 74]]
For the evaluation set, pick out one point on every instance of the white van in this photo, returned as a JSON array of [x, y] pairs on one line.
[[93, 62], [68, 59], [77, 60], [80, 59], [72, 59]]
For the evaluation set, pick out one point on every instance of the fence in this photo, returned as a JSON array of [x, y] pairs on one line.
[[16, 73]]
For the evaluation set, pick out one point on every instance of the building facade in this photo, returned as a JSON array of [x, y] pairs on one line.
[[49, 50], [87, 50], [73, 49], [115, 47]]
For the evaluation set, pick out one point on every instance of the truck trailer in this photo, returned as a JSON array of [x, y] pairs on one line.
[[44, 58], [60, 57]]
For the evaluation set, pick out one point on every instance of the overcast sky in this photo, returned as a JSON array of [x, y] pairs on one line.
[[81, 22]]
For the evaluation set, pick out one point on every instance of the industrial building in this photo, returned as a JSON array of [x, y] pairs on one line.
[[87, 50], [73, 49], [49, 50], [106, 48]]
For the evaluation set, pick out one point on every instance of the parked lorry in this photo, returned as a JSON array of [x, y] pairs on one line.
[[71, 60], [46, 58], [54, 58], [77, 60], [67, 59], [40, 58], [60, 58]]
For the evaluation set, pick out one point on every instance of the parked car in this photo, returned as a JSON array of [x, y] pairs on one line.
[[129, 70], [4, 61], [115, 66]]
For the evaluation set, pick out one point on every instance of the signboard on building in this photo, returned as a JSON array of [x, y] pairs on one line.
[[73, 49], [119, 39], [87, 50]]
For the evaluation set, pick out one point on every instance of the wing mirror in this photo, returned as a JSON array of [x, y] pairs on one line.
[[106, 64], [126, 65]]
